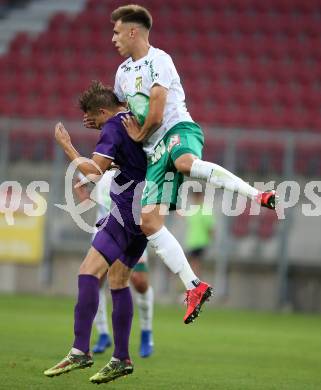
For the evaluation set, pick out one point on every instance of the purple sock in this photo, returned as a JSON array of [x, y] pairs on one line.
[[122, 321], [85, 310]]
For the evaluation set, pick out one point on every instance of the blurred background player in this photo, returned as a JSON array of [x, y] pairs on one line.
[[139, 278], [199, 232]]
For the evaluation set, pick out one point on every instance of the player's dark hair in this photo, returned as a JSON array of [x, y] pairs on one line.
[[98, 96], [133, 13]]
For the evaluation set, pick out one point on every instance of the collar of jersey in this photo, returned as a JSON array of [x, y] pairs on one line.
[[122, 112], [151, 48]]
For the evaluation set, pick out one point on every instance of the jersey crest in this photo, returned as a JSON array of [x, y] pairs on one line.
[[174, 140], [138, 83]]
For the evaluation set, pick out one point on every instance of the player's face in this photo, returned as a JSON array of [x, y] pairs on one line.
[[123, 38], [99, 118]]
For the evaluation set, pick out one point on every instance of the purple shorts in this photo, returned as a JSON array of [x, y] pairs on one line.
[[114, 242]]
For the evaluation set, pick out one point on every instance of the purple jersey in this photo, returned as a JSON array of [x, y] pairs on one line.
[[114, 143]]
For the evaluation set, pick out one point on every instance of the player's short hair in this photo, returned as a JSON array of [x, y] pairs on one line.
[[98, 96], [133, 13]]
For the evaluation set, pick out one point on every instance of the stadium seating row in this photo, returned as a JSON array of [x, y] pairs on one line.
[[264, 226], [277, 72], [261, 95], [39, 146], [276, 118], [279, 6], [264, 46]]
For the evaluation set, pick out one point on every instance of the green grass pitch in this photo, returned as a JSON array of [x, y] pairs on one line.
[[223, 350]]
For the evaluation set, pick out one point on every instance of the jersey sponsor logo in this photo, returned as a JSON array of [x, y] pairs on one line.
[[159, 152], [154, 76], [138, 83], [126, 68], [135, 68], [174, 140]]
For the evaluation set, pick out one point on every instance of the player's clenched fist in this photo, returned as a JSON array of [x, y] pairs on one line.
[[61, 134]]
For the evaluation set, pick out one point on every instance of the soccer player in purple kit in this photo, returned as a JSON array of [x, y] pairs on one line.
[[119, 243]]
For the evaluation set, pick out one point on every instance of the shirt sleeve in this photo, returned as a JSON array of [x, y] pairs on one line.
[[109, 142], [162, 71], [117, 88]]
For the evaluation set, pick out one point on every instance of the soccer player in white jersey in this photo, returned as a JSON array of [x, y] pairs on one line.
[[139, 278], [148, 81]]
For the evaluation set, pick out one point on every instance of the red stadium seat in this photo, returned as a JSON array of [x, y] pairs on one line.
[[267, 224], [59, 22], [260, 157], [241, 225], [20, 145], [307, 160], [214, 149], [20, 44]]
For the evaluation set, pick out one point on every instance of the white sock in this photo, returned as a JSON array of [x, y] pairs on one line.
[[169, 250], [113, 359], [101, 315], [145, 303], [76, 351], [222, 178]]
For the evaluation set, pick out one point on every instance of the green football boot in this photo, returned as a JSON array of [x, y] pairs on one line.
[[69, 363], [112, 371]]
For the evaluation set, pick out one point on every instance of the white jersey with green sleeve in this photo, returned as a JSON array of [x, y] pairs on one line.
[[133, 83]]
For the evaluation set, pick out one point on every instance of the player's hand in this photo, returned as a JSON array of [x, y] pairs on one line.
[[61, 134], [81, 191], [88, 122], [133, 128], [114, 166]]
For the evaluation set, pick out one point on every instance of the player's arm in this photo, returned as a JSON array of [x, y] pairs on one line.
[[92, 168], [81, 191], [157, 101]]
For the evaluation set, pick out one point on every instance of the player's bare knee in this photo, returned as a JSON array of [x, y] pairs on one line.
[[116, 279], [93, 264], [183, 168], [82, 269], [116, 282], [142, 287], [139, 281], [147, 227], [118, 276], [86, 268], [184, 163], [151, 221]]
